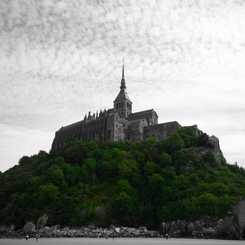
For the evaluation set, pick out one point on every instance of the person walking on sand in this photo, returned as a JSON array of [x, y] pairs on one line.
[[37, 236], [27, 237]]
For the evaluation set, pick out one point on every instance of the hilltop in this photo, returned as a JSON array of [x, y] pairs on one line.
[[136, 184]]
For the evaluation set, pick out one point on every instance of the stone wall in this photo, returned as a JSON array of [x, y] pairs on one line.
[[83, 130], [161, 131]]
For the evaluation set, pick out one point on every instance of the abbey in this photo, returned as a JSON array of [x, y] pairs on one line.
[[118, 124]]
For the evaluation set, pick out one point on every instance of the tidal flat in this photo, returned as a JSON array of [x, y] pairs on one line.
[[118, 241]]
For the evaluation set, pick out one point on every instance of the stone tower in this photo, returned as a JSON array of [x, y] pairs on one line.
[[122, 103]]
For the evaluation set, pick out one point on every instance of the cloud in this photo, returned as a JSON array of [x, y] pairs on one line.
[[31, 139], [185, 59]]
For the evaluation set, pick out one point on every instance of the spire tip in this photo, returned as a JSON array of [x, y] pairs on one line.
[[123, 80]]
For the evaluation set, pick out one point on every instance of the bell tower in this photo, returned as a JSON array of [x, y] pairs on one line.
[[122, 103]]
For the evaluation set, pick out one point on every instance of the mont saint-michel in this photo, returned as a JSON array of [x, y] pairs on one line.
[[118, 123]]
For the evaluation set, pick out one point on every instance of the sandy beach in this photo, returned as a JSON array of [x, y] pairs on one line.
[[118, 241]]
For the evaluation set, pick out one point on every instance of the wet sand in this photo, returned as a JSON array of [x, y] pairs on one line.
[[118, 241]]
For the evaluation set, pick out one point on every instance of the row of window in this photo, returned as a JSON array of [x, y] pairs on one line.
[[120, 105]]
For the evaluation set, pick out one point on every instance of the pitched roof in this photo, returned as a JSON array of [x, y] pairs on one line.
[[141, 113], [122, 96]]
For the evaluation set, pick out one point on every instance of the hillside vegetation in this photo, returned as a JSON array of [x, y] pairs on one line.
[[124, 184]]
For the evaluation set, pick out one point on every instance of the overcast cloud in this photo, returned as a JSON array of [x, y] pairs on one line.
[[61, 59]]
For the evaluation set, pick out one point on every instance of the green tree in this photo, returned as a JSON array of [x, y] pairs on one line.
[[55, 175], [181, 182], [188, 135], [209, 158], [76, 152], [65, 212], [151, 142], [90, 166], [145, 215], [184, 159], [128, 169], [151, 149], [123, 183], [107, 170], [156, 182], [24, 160], [165, 160], [150, 168], [172, 143], [124, 186], [122, 209], [207, 205], [48, 194]]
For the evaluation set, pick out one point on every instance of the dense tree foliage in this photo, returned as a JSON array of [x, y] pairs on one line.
[[121, 183]]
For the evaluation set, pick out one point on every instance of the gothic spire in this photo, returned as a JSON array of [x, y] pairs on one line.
[[123, 85]]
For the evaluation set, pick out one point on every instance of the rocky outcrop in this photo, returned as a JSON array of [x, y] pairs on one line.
[[90, 231], [239, 211], [29, 227], [182, 228], [41, 222], [8, 232], [230, 227], [207, 144], [213, 142]]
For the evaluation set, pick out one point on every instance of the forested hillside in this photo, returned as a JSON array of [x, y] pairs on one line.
[[124, 184]]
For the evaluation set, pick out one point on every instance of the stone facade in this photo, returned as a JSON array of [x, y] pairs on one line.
[[160, 131], [117, 124]]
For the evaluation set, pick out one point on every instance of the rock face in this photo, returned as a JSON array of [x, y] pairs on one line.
[[41, 222], [8, 232], [29, 227], [93, 231], [239, 211], [230, 227], [213, 141], [210, 144], [90, 231], [197, 229]]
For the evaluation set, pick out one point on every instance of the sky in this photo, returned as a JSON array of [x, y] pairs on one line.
[[61, 59]]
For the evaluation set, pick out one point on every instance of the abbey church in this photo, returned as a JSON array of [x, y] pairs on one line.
[[118, 123]]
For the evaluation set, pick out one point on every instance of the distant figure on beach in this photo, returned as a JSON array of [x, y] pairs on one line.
[[37, 236], [27, 237], [166, 235]]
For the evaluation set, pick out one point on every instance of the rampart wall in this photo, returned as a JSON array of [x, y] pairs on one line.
[[161, 131]]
